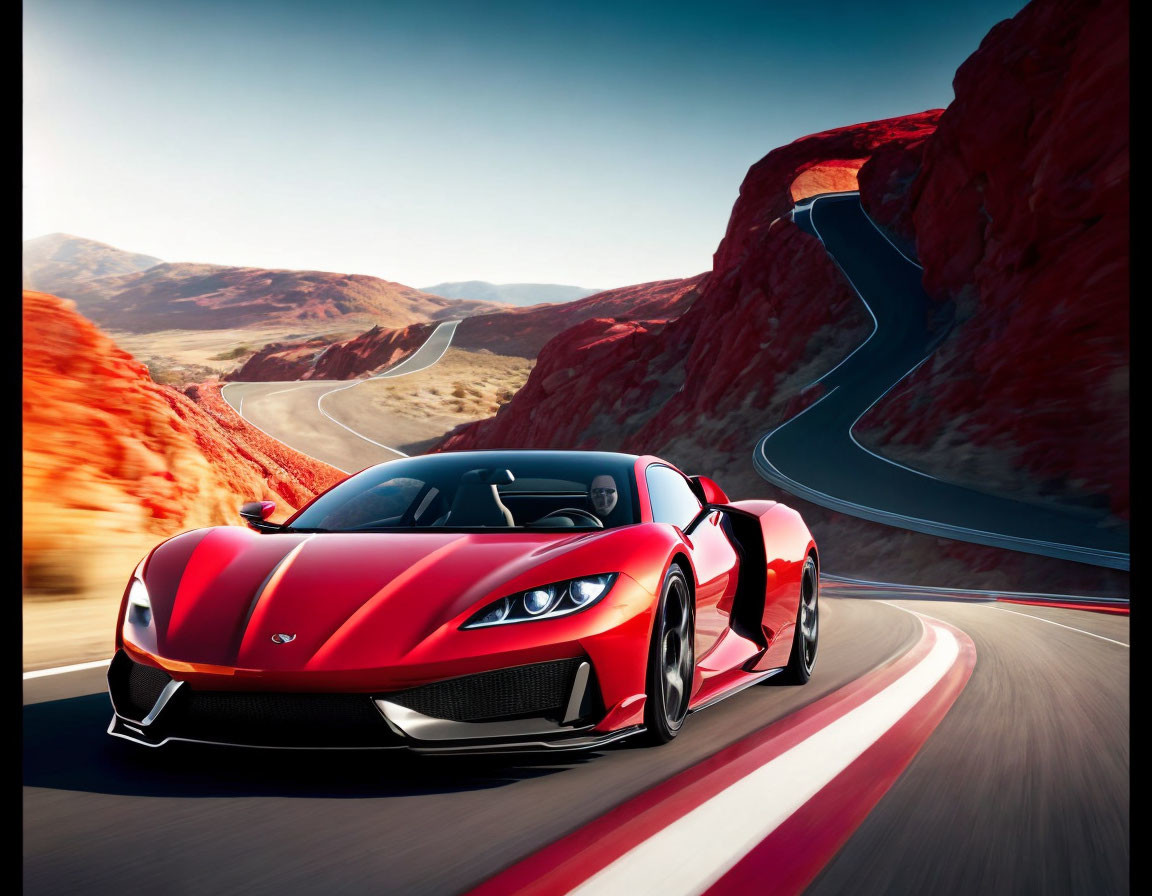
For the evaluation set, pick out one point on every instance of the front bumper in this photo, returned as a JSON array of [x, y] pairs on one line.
[[536, 707]]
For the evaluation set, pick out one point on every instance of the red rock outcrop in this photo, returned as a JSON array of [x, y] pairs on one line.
[[524, 331], [318, 359], [774, 315], [112, 458], [1020, 213]]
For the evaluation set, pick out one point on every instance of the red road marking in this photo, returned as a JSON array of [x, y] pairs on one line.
[[796, 851], [1114, 609]]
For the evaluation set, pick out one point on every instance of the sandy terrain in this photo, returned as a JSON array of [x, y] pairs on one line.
[[413, 412], [63, 632], [177, 357]]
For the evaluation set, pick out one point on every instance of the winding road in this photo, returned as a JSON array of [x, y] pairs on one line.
[[295, 412], [816, 456]]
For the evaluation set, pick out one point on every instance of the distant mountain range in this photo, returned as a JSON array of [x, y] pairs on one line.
[[60, 260], [509, 293], [139, 293]]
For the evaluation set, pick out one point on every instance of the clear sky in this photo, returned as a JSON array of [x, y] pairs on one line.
[[597, 144]]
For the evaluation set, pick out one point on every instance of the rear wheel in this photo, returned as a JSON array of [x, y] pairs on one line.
[[671, 660], [807, 635]]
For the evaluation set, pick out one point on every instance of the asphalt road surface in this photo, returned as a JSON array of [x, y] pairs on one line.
[[295, 412], [1023, 788], [815, 456]]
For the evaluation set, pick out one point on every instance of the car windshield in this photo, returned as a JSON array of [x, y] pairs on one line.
[[552, 490]]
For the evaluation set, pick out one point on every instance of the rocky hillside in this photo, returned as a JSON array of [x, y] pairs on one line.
[[1018, 209], [519, 332], [114, 462], [774, 315], [524, 331], [58, 260], [215, 297], [319, 359]]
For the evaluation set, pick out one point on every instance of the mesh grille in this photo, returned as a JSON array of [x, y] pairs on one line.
[[273, 719], [134, 687], [144, 686], [537, 689]]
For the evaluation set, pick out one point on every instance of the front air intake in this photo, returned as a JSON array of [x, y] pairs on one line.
[[134, 687], [539, 689]]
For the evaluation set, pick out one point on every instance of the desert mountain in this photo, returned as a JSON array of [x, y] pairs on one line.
[[187, 296], [510, 293], [518, 332], [524, 331], [59, 260]]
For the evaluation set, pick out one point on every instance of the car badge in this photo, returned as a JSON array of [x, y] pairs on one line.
[[282, 638]]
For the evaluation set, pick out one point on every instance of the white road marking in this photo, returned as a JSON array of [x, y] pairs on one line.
[[898, 586], [63, 670], [396, 371], [275, 438], [888, 460], [875, 329], [867, 307], [1061, 624], [890, 243], [932, 526], [697, 849], [295, 388]]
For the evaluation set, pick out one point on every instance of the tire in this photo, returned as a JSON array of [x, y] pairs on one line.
[[806, 638], [671, 660]]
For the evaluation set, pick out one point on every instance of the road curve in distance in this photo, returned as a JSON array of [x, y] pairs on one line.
[[294, 412], [815, 455]]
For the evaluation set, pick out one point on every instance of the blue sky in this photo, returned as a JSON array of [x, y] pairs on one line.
[[598, 144]]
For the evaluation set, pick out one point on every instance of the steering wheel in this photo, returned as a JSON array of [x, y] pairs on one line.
[[575, 512]]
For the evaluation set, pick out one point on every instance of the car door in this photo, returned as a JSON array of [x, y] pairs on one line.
[[716, 562]]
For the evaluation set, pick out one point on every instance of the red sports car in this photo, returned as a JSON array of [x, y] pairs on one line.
[[477, 601]]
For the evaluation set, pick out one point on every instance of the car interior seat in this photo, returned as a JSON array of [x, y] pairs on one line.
[[477, 503]]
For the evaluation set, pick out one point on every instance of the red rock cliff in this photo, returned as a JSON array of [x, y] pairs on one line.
[[112, 458], [773, 315], [1018, 206]]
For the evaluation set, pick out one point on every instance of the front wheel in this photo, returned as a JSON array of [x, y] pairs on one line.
[[806, 638], [671, 660]]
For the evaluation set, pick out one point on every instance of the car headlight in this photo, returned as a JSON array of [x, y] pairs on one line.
[[545, 602], [139, 604]]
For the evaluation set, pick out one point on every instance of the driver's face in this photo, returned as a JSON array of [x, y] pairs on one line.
[[603, 495]]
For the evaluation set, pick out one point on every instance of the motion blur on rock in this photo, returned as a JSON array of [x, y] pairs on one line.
[[114, 462]]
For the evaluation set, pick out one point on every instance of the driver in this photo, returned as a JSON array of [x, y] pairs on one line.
[[602, 494]]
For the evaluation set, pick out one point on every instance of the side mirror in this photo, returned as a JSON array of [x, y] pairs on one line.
[[256, 513], [707, 490]]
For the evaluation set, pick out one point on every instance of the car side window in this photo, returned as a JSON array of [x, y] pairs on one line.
[[671, 496]]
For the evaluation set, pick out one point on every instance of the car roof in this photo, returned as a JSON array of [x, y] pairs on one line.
[[490, 453]]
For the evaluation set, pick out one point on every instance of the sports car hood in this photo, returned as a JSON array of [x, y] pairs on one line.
[[347, 600]]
